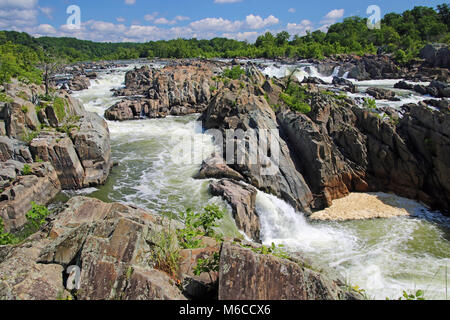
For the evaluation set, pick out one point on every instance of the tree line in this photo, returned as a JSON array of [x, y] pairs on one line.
[[403, 35]]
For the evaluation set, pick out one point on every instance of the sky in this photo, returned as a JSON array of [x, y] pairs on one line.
[[146, 20]]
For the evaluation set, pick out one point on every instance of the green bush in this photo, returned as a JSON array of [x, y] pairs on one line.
[[234, 73], [28, 136], [208, 265], [36, 216], [166, 252], [26, 171], [59, 105], [370, 104], [295, 98], [198, 225], [6, 238]]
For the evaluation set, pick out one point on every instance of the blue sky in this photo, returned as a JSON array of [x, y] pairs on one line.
[[144, 20]]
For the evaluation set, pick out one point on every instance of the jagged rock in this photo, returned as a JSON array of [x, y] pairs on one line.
[[437, 55], [347, 84], [313, 80], [403, 85], [246, 275], [215, 167], [93, 148], [15, 150], [439, 89], [112, 243], [382, 94], [420, 89], [20, 118], [15, 201], [79, 83], [177, 89], [242, 199], [242, 109], [59, 150], [24, 279]]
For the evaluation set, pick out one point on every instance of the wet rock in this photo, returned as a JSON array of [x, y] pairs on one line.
[[347, 84], [215, 167], [79, 83], [241, 109], [403, 85], [382, 94], [242, 199]]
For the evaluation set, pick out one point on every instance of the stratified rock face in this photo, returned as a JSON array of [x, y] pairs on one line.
[[174, 90], [41, 186], [242, 199], [437, 55], [240, 108], [59, 150], [112, 244], [246, 275], [12, 149], [214, 167], [92, 144]]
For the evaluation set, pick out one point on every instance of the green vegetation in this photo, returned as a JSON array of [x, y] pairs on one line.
[[370, 104], [401, 34], [166, 252], [275, 250], [419, 295], [59, 105], [26, 171], [36, 219], [295, 97], [208, 265], [198, 225], [5, 98], [29, 135], [234, 73]]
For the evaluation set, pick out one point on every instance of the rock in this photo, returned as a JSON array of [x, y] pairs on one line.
[[439, 89], [14, 150], [436, 55], [420, 89], [214, 167], [15, 201], [381, 94], [79, 83], [242, 199], [177, 89], [403, 85], [59, 150], [20, 118], [347, 84], [232, 109], [24, 279], [246, 275], [92, 145], [313, 80], [112, 244]]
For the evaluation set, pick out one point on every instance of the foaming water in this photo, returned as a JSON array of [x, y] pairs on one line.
[[383, 256]]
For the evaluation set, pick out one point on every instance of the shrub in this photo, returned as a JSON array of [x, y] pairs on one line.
[[295, 97], [208, 265], [370, 104], [5, 98], [24, 109], [233, 73], [6, 238], [59, 105], [36, 216], [28, 136], [26, 171]]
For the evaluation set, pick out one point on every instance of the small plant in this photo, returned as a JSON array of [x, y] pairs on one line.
[[370, 104], [419, 295], [295, 97], [28, 136], [38, 159], [5, 98], [212, 89], [36, 216], [198, 225], [234, 73], [24, 109], [6, 238], [26, 171], [277, 251], [166, 252], [22, 95], [208, 265], [59, 105]]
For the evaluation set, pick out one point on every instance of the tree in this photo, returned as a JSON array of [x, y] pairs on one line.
[[49, 65]]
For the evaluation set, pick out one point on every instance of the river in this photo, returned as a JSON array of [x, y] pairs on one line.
[[382, 256]]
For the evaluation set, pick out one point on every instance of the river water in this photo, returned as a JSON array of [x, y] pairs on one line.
[[382, 256]]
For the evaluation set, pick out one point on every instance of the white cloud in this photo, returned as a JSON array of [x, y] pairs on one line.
[[300, 28], [130, 2], [333, 16], [18, 4], [242, 36], [151, 16], [15, 14], [120, 19], [256, 22], [47, 11], [216, 24], [291, 10]]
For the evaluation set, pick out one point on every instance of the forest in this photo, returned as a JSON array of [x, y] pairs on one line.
[[402, 35]]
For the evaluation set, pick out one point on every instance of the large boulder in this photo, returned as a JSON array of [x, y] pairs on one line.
[[12, 149], [242, 199], [79, 83], [436, 55], [215, 167], [58, 149], [246, 275], [382, 94], [247, 122]]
